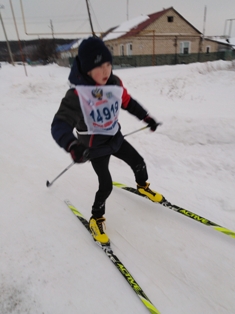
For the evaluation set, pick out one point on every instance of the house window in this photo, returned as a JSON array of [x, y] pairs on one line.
[[185, 47], [129, 49], [121, 50], [170, 19], [208, 49]]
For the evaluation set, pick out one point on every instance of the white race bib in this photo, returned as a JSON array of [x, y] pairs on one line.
[[100, 107]]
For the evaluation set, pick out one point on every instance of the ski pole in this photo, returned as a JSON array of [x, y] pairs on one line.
[[141, 129], [48, 184]]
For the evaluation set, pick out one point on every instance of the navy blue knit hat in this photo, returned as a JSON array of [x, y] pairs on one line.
[[92, 52]]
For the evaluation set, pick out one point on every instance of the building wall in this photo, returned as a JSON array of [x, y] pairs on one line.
[[161, 37], [178, 26], [159, 45], [212, 45], [74, 52], [146, 45]]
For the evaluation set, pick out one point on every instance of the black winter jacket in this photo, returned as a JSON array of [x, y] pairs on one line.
[[69, 117]]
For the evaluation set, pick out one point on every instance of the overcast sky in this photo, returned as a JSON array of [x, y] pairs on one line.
[[71, 16]]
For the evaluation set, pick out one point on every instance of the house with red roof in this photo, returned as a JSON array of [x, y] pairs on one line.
[[164, 37]]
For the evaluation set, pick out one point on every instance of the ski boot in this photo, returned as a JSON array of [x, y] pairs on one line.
[[152, 195], [96, 227]]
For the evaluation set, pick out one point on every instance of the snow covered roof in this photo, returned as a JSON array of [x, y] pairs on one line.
[[136, 25], [73, 45], [229, 41], [125, 27]]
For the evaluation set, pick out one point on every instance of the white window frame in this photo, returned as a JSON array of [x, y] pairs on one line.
[[129, 49], [121, 50], [183, 45]]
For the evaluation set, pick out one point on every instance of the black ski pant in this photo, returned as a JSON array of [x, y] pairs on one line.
[[126, 153]]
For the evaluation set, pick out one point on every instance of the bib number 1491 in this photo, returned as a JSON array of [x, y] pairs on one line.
[[105, 113]]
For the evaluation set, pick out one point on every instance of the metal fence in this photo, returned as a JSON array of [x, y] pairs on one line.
[[170, 59], [165, 59]]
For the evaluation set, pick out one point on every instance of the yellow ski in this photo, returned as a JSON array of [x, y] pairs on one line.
[[181, 210], [108, 251]]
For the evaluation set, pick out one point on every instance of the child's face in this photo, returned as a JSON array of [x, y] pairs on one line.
[[102, 73]]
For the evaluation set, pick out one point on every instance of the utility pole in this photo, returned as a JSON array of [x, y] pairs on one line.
[[5, 34], [53, 37], [204, 22], [201, 44], [52, 29], [127, 10], [89, 14], [22, 56]]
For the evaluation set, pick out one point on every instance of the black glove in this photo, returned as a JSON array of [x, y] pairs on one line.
[[152, 123], [78, 152]]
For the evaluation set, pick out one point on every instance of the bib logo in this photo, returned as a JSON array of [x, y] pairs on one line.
[[109, 95], [97, 93]]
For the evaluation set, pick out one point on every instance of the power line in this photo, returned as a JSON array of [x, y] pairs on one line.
[[31, 20]]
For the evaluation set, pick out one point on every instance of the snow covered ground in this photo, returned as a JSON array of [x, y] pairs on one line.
[[48, 262]]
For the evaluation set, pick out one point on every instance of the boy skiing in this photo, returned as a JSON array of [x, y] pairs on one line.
[[92, 107]]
